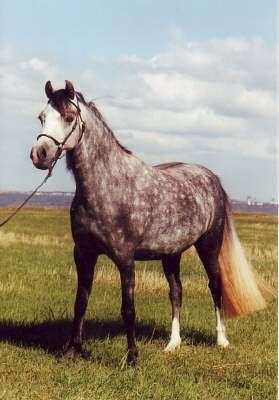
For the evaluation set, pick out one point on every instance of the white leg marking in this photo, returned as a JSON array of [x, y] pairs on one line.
[[220, 328], [175, 339]]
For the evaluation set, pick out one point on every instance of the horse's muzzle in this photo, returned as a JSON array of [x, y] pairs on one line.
[[42, 155]]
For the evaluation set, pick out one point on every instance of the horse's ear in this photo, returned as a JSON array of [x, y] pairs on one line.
[[49, 89], [70, 89]]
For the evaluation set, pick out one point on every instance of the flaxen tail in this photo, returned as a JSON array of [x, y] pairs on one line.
[[242, 290]]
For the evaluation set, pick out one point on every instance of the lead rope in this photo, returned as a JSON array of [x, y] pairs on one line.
[[58, 153]]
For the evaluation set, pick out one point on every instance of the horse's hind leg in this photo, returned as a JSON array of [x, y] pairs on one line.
[[208, 248], [172, 268], [85, 263]]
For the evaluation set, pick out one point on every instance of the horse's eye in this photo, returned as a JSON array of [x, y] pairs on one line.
[[69, 119]]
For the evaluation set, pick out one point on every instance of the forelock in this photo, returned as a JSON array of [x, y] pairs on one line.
[[60, 100]]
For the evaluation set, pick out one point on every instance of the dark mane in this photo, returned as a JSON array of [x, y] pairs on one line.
[[92, 107]]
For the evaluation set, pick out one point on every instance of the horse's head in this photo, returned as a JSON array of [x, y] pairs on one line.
[[62, 126]]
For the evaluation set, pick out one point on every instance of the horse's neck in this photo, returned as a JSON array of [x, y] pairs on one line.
[[99, 160]]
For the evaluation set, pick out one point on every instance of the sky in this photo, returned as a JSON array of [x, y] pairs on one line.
[[192, 81]]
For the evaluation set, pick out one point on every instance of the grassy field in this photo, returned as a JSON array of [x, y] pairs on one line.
[[37, 290]]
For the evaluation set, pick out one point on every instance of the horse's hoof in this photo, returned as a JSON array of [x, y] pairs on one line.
[[132, 358], [173, 344], [224, 343], [71, 352]]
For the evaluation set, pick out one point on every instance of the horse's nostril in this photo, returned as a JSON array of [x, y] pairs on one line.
[[42, 154]]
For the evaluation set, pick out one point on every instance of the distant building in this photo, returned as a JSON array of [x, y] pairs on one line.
[[249, 201]]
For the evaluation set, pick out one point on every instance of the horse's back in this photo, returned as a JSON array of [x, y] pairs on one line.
[[195, 178], [169, 165], [191, 170]]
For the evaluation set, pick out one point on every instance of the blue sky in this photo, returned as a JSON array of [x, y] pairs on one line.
[[193, 81]]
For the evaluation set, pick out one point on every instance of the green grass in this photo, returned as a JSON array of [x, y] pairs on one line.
[[37, 292]]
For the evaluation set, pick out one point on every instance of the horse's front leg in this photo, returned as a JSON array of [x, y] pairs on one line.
[[85, 263], [127, 275]]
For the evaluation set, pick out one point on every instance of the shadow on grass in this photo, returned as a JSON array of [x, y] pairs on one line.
[[52, 336]]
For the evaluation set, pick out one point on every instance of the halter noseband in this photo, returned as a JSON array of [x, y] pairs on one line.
[[60, 145]]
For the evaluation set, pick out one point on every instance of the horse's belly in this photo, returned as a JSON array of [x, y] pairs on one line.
[[171, 241]]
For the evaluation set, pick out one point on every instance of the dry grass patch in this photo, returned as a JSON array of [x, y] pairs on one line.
[[8, 238], [11, 286], [148, 281]]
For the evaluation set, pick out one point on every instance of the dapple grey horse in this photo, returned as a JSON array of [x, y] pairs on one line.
[[131, 211]]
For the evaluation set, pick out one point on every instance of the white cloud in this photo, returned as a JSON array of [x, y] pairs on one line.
[[35, 64], [200, 120], [219, 89], [229, 60], [183, 146], [22, 83], [6, 55]]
